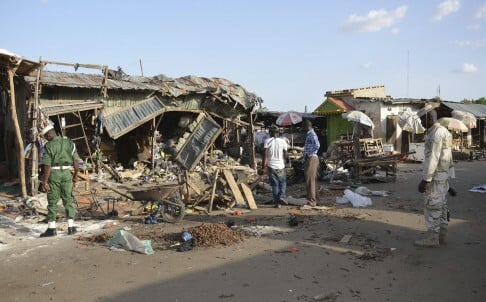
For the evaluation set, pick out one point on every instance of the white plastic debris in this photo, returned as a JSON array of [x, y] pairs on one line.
[[367, 192], [355, 199]]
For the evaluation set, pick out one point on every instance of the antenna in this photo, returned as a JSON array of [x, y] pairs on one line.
[[438, 91]]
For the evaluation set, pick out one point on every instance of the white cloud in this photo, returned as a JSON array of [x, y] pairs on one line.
[[468, 68], [470, 43], [366, 65], [446, 8], [481, 12], [395, 30], [375, 20], [473, 27]]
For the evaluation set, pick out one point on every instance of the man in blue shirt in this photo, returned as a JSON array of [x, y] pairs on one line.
[[311, 162]]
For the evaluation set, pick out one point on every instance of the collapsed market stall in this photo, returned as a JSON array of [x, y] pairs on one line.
[[117, 120]]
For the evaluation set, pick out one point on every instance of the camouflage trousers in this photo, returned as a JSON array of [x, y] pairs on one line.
[[435, 205]]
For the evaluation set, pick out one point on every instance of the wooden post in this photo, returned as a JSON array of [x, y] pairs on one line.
[[34, 179], [356, 149], [213, 191], [251, 137], [20, 143]]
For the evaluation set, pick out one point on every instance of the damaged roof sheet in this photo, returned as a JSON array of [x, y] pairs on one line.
[[123, 121], [83, 80], [219, 89], [479, 110], [71, 107]]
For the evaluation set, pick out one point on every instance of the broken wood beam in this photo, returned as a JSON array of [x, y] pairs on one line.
[[249, 196], [234, 187]]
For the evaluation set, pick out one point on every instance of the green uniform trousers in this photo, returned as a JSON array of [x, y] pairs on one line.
[[61, 183]]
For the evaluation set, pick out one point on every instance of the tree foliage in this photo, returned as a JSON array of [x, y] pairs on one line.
[[481, 100]]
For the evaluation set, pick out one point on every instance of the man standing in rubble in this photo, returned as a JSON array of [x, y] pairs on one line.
[[311, 162], [437, 168], [59, 154], [275, 154]]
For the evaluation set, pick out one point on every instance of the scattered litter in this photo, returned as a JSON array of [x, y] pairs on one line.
[[478, 189], [262, 230], [319, 208], [345, 239], [367, 192], [128, 241], [326, 297], [356, 200]]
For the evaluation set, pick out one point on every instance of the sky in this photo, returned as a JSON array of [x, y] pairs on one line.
[[287, 52]]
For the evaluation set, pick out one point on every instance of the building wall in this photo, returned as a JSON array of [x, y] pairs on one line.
[[337, 126]]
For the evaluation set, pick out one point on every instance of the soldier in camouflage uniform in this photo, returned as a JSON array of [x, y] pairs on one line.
[[59, 154], [438, 167]]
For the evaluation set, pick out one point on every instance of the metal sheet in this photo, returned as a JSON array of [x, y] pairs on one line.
[[478, 110], [70, 107], [214, 89], [123, 121]]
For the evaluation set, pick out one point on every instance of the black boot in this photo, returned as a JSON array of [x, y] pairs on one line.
[[72, 230], [49, 232]]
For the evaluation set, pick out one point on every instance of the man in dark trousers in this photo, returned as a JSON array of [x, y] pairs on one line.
[[311, 162], [274, 156], [59, 154]]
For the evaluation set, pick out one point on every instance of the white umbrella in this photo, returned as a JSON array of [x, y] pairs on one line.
[[359, 117], [467, 118], [289, 118], [453, 124], [410, 122]]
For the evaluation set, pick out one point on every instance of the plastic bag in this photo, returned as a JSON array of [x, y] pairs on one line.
[[129, 242], [356, 200]]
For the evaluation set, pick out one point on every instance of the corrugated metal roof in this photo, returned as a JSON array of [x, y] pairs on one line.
[[123, 121], [72, 107], [219, 89], [478, 110], [83, 80]]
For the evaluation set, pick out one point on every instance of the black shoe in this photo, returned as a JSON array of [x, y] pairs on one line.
[[72, 230], [278, 205], [49, 232]]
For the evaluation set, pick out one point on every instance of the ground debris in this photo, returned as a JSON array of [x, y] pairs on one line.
[[98, 238], [208, 235]]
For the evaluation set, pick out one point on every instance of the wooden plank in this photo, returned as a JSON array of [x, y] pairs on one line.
[[234, 187], [192, 186], [249, 196], [215, 182]]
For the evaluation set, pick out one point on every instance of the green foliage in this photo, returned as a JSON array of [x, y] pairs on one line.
[[481, 101]]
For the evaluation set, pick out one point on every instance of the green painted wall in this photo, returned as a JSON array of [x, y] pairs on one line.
[[337, 126]]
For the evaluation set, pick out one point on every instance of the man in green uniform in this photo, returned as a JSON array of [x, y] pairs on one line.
[[59, 154]]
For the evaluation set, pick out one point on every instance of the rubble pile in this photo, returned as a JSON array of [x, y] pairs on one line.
[[98, 238], [209, 235]]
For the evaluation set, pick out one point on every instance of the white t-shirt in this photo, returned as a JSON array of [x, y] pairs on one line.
[[275, 152]]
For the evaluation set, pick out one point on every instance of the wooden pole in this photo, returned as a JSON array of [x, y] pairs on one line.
[[213, 191], [252, 144], [18, 134], [34, 180]]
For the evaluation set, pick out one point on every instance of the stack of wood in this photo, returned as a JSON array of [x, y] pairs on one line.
[[221, 187]]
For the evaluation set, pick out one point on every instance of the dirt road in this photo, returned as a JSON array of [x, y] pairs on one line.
[[379, 263]]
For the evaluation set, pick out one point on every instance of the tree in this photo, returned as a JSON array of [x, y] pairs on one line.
[[481, 101]]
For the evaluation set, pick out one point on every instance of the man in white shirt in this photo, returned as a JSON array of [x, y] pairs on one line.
[[275, 154]]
